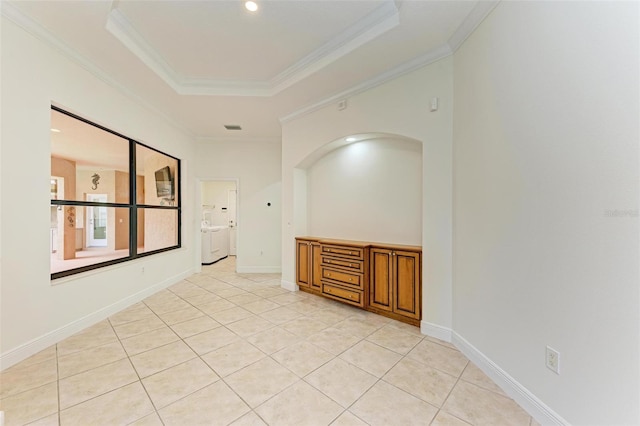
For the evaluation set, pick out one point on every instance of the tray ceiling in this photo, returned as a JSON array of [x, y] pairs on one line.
[[203, 64]]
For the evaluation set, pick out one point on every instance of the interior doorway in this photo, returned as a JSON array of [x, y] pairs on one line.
[[97, 221], [219, 207]]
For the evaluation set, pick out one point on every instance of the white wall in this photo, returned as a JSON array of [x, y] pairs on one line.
[[369, 190], [545, 148], [35, 313], [399, 107], [215, 197], [256, 165]]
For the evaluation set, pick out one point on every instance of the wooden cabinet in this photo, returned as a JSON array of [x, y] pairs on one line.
[[308, 264], [395, 282], [380, 284], [385, 279], [344, 271]]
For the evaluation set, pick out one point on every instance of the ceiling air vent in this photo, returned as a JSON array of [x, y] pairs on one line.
[[232, 127]]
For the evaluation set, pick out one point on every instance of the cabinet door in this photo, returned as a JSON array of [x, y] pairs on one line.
[[316, 262], [380, 279], [303, 257], [406, 281]]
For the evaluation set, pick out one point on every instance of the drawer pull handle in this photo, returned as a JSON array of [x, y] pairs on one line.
[[328, 274], [351, 265], [350, 279]]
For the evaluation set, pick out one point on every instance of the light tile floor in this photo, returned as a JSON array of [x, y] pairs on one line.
[[222, 348]]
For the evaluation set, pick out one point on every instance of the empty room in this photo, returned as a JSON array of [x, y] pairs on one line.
[[331, 212]]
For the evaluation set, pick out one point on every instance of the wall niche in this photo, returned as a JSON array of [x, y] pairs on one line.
[[369, 190]]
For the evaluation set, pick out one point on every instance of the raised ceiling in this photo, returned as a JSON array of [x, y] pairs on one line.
[[204, 64]]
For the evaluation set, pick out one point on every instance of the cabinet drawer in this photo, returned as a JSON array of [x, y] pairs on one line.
[[349, 296], [344, 277], [356, 265], [344, 251]]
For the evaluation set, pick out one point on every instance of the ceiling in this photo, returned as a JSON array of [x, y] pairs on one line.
[[204, 64]]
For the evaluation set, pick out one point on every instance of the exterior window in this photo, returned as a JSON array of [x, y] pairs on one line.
[[112, 199]]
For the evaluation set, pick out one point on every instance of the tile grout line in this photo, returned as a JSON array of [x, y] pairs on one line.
[[244, 339], [449, 394], [155, 410], [197, 355], [251, 409]]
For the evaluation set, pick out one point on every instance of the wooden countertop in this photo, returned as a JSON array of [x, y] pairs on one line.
[[361, 244]]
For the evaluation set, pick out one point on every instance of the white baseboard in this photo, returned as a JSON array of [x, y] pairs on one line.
[[435, 330], [38, 344], [528, 401], [289, 285], [259, 269]]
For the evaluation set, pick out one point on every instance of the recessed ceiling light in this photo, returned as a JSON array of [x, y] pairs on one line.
[[251, 6], [55, 130], [351, 139]]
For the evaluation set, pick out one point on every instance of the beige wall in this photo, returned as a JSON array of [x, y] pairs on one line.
[[159, 225], [121, 215], [67, 215]]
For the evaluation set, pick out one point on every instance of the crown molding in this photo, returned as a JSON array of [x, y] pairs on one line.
[[381, 20], [405, 68], [118, 25], [16, 16], [378, 22], [481, 10]]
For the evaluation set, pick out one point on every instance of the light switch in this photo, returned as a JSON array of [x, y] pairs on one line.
[[434, 104]]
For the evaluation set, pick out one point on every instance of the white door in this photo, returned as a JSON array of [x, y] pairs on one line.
[[232, 200], [97, 221]]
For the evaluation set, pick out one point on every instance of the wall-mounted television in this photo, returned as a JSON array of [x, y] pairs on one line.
[[164, 183]]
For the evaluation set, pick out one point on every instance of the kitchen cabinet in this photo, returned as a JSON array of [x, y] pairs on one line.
[[308, 264], [395, 282], [344, 271], [381, 278]]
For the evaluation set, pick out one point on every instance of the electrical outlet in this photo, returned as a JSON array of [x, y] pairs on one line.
[[553, 360]]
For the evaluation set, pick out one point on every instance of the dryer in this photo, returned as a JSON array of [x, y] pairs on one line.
[[215, 243]]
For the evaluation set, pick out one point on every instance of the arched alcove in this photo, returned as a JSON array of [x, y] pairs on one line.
[[362, 187]]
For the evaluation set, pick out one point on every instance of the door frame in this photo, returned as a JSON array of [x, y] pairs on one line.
[[198, 218], [233, 229], [91, 242]]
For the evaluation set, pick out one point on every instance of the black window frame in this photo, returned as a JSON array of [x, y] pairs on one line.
[[133, 205]]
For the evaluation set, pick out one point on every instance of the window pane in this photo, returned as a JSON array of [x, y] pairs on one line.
[[87, 163], [159, 228], [159, 173], [85, 235]]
